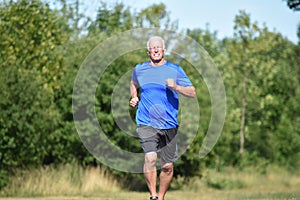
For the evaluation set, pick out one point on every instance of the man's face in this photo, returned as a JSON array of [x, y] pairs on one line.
[[156, 50]]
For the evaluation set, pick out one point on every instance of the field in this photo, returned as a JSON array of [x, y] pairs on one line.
[[75, 183]]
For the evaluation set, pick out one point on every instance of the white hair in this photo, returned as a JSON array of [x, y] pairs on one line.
[[155, 37]]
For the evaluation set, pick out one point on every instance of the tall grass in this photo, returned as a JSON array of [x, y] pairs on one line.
[[231, 183], [64, 180], [75, 182]]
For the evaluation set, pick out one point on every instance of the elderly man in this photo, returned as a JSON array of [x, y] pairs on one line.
[[160, 82]]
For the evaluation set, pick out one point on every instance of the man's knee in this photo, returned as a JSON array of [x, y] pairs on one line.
[[150, 162], [150, 159], [167, 168]]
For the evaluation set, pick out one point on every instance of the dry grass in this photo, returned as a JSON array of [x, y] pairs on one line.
[[75, 183], [249, 184], [62, 181]]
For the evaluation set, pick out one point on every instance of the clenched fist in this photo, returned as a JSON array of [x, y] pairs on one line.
[[134, 102], [171, 83]]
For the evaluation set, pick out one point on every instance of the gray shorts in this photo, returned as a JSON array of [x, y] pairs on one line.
[[161, 141]]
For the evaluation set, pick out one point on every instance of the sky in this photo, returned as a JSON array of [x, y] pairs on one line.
[[219, 14]]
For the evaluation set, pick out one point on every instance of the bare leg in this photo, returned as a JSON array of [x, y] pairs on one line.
[[150, 172], [166, 176]]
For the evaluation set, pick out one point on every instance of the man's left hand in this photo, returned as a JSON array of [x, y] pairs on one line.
[[171, 83]]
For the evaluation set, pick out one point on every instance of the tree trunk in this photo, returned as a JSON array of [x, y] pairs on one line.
[[242, 128]]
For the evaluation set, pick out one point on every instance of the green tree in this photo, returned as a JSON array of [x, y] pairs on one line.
[[259, 84], [69, 11], [110, 21], [120, 18], [293, 4], [155, 15], [30, 67], [30, 32]]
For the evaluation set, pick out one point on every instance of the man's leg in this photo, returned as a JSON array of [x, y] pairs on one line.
[[168, 155], [166, 176], [150, 172]]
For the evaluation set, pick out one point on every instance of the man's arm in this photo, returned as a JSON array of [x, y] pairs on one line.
[[188, 91], [134, 94]]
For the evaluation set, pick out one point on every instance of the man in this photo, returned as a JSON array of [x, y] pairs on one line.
[[160, 82]]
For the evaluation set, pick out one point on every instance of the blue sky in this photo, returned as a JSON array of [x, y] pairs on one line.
[[219, 14]]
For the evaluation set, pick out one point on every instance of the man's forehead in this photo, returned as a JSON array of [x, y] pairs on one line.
[[155, 42]]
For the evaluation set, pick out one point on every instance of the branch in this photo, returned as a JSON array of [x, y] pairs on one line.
[[295, 5]]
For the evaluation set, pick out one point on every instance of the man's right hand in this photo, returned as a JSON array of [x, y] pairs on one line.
[[134, 102]]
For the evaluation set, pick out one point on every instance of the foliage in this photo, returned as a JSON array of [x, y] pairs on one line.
[[293, 4], [30, 32], [25, 103], [112, 21], [267, 62], [30, 68], [120, 18]]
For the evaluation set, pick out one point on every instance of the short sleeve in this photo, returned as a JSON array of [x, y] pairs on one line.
[[134, 77], [182, 78]]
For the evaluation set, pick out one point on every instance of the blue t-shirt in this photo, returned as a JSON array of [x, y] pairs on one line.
[[158, 105]]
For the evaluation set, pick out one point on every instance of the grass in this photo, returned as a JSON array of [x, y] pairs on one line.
[[72, 182], [248, 184], [62, 181]]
